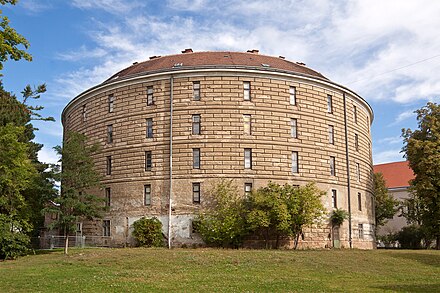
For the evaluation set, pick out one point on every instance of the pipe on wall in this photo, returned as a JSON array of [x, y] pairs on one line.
[[171, 161], [347, 159]]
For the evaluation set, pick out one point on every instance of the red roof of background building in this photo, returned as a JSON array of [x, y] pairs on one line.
[[397, 174]]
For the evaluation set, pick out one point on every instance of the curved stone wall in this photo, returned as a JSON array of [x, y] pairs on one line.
[[232, 129]]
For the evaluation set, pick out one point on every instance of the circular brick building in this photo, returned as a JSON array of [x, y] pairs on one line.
[[171, 126]]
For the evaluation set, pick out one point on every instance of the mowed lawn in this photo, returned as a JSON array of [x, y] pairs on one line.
[[218, 270]]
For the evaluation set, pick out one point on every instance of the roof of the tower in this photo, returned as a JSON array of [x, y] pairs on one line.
[[189, 59]]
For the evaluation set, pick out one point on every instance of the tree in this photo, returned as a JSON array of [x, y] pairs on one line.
[[148, 232], [283, 211], [385, 204], [11, 41], [16, 172], [268, 213], [78, 180], [422, 150], [221, 221]]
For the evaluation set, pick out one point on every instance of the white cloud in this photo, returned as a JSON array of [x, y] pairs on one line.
[[35, 6], [391, 140], [48, 155], [357, 43], [111, 6], [82, 53], [403, 116], [387, 156]]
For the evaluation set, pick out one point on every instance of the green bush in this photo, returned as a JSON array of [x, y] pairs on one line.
[[410, 237], [221, 222], [13, 242], [338, 217], [148, 232]]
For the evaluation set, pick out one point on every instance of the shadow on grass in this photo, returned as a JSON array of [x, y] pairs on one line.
[[411, 288], [47, 251], [428, 259]]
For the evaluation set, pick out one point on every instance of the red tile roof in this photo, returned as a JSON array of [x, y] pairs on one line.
[[397, 174], [224, 59]]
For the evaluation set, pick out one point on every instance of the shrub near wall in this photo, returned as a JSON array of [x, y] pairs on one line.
[[148, 232]]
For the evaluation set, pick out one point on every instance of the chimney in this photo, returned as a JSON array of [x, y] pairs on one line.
[[134, 63], [154, 57], [189, 50], [301, 63], [253, 51], [281, 57]]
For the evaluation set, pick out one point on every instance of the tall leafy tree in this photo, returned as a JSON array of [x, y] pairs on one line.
[[422, 150], [385, 204], [79, 182], [16, 173], [12, 44], [221, 221]]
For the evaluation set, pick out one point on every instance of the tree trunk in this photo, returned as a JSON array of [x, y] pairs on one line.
[[66, 244], [266, 238], [437, 244], [277, 243], [295, 242]]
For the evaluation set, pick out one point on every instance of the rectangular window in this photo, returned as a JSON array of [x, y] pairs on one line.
[[333, 166], [358, 172], [329, 104], [196, 158], [361, 231], [107, 196], [149, 127], [150, 98], [196, 192], [292, 92], [355, 115], [295, 163], [247, 189], [331, 134], [111, 100], [196, 90], [148, 161], [110, 133], [334, 199], [293, 128], [84, 113], [106, 228], [247, 124], [248, 158], [196, 124], [356, 142], [147, 194], [359, 201], [109, 165], [247, 90]]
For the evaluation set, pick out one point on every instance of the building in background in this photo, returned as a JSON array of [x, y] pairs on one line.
[[171, 126], [397, 176]]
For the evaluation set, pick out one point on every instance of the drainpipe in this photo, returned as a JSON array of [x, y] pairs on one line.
[[171, 162], [347, 159]]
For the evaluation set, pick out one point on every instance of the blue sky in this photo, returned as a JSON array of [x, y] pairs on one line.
[[388, 51]]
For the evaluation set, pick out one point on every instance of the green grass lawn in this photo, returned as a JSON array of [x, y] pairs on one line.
[[213, 270]]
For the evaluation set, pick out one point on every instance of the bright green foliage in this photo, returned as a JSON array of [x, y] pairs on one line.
[[14, 242], [78, 178], [268, 213], [148, 232], [282, 211], [338, 217], [10, 40], [221, 221], [16, 173], [385, 204], [422, 150]]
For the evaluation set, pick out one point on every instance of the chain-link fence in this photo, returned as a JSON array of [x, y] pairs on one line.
[[51, 242]]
